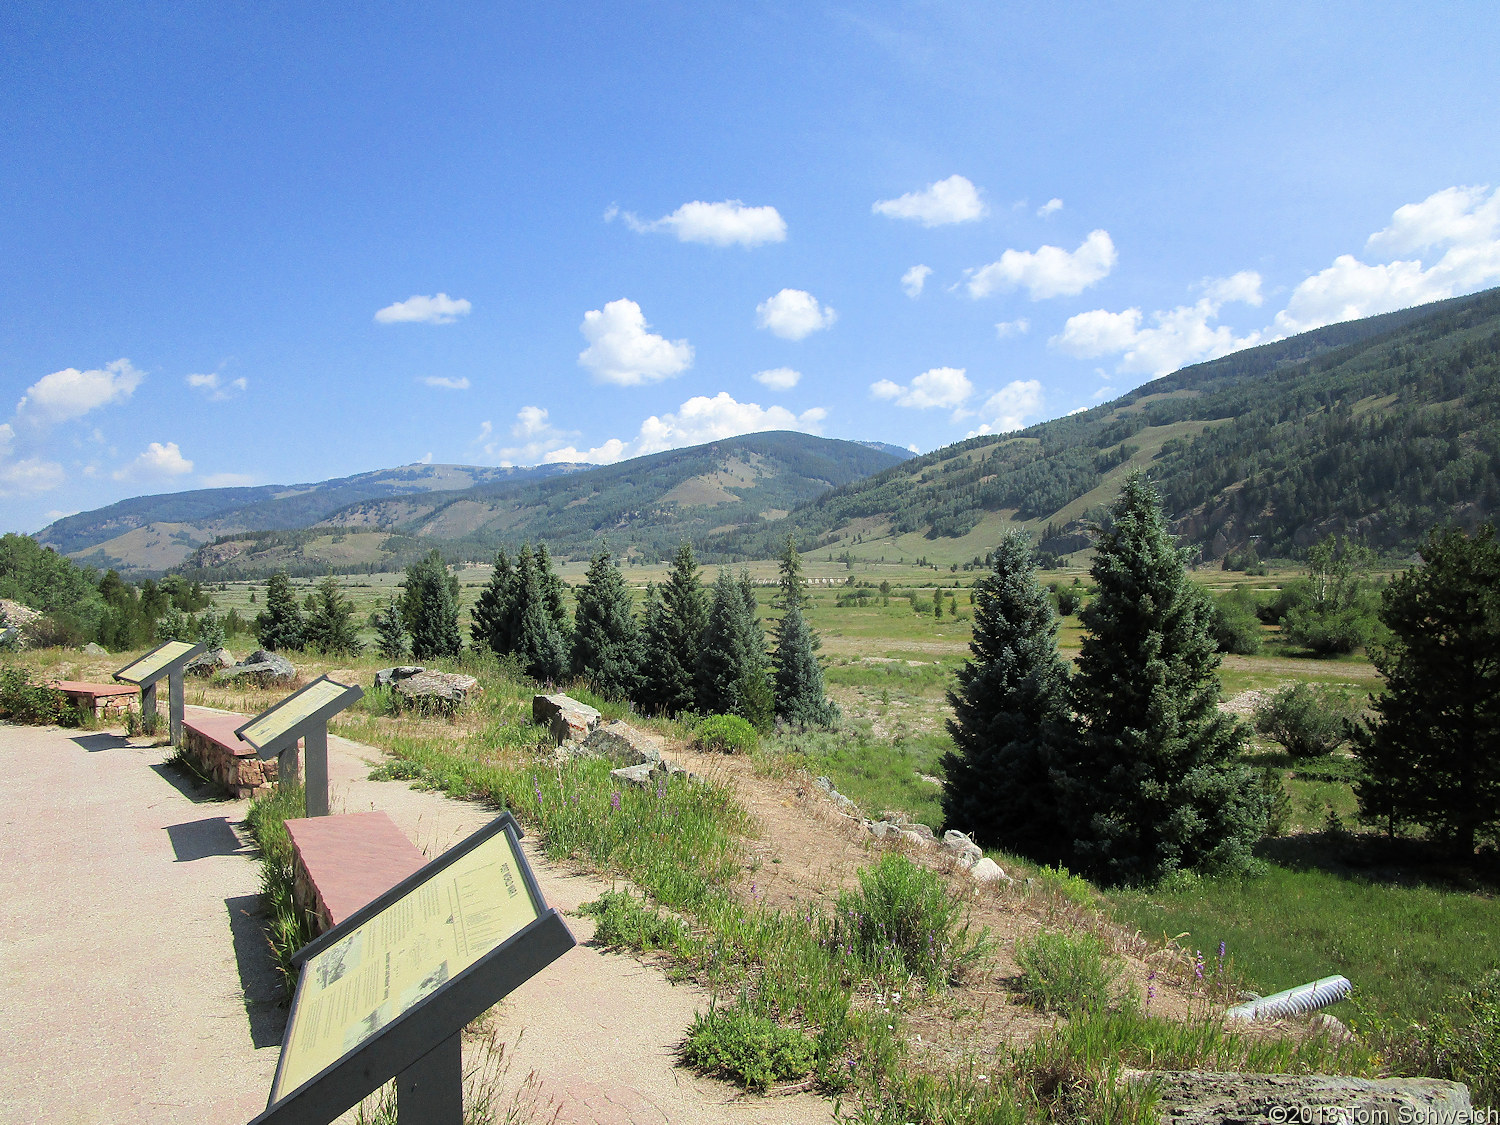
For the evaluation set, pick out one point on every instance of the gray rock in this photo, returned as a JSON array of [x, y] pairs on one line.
[[638, 775], [843, 802], [882, 829], [1203, 1098], [916, 839], [388, 677], [207, 663], [263, 668], [963, 849], [91, 649], [623, 743], [918, 829], [986, 870], [568, 719], [10, 638], [443, 691]]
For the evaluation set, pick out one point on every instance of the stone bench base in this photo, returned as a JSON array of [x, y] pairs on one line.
[[343, 862], [104, 700], [224, 756]]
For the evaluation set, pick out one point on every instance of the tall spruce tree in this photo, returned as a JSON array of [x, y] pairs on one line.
[[1010, 714], [490, 624], [394, 641], [674, 637], [733, 652], [554, 591], [429, 608], [1153, 782], [1432, 753], [330, 626], [606, 638], [800, 695], [757, 697], [279, 627]]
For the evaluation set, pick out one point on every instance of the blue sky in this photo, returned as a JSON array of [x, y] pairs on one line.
[[280, 243]]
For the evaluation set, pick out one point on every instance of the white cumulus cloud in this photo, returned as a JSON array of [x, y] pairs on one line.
[[940, 387], [30, 474], [778, 378], [717, 224], [70, 393], [447, 382], [622, 350], [532, 434], [438, 309], [1051, 207], [793, 314], [1049, 271], [216, 387], [1018, 327], [700, 419], [954, 200], [1174, 338], [1009, 407], [914, 279], [1460, 224], [159, 461]]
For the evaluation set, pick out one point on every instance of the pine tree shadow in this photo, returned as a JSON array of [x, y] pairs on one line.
[[1375, 858]]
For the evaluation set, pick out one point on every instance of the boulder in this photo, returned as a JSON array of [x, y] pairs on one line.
[[986, 870], [622, 742], [263, 668], [647, 774], [916, 839], [388, 677], [843, 802], [1205, 1098], [91, 649], [883, 829], [569, 720], [207, 663], [436, 691], [963, 849], [918, 830]]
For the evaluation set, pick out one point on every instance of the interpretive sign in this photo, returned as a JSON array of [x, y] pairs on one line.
[[302, 715], [167, 660], [386, 993]]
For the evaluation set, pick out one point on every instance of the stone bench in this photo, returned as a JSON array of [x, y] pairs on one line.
[[224, 756], [342, 862], [102, 699]]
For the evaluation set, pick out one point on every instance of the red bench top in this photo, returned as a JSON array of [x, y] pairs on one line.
[[220, 729], [352, 859], [83, 687]]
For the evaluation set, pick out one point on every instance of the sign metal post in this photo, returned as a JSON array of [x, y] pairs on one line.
[[386, 993], [302, 715], [167, 660]]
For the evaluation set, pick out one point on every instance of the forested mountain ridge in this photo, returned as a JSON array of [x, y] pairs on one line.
[[1379, 427]]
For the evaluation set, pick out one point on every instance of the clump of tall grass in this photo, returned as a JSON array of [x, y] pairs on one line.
[[288, 927], [750, 1049], [1068, 972]]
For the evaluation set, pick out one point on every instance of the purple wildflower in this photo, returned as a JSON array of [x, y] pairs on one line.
[[1222, 949], [1198, 964], [614, 800]]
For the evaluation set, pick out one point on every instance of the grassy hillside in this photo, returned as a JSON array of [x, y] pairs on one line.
[[1382, 427]]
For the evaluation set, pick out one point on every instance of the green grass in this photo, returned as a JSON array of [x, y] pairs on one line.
[[1067, 972], [873, 773], [747, 1048], [287, 927], [1405, 948]]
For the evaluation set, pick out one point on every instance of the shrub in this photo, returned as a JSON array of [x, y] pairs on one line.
[[728, 734], [1062, 882], [903, 922], [1278, 801], [1067, 972], [1309, 720], [1235, 626], [1461, 1047], [625, 920], [54, 630], [748, 1048], [24, 701]]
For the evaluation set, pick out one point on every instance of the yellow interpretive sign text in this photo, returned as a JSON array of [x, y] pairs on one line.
[[292, 712], [386, 966]]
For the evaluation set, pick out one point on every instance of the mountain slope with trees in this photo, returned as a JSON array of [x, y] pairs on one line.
[[1379, 428]]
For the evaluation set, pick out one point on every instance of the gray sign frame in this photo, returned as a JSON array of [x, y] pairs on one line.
[[313, 732], [173, 672], [421, 1047]]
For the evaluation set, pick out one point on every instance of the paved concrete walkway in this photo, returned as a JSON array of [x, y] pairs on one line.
[[135, 986]]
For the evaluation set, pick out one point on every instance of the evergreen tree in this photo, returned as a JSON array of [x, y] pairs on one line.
[[1010, 714], [1153, 782], [491, 627], [211, 633], [606, 638], [330, 626], [1432, 754], [279, 627], [729, 659], [554, 590], [429, 608], [800, 695], [674, 637], [395, 641], [532, 630], [757, 698]]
